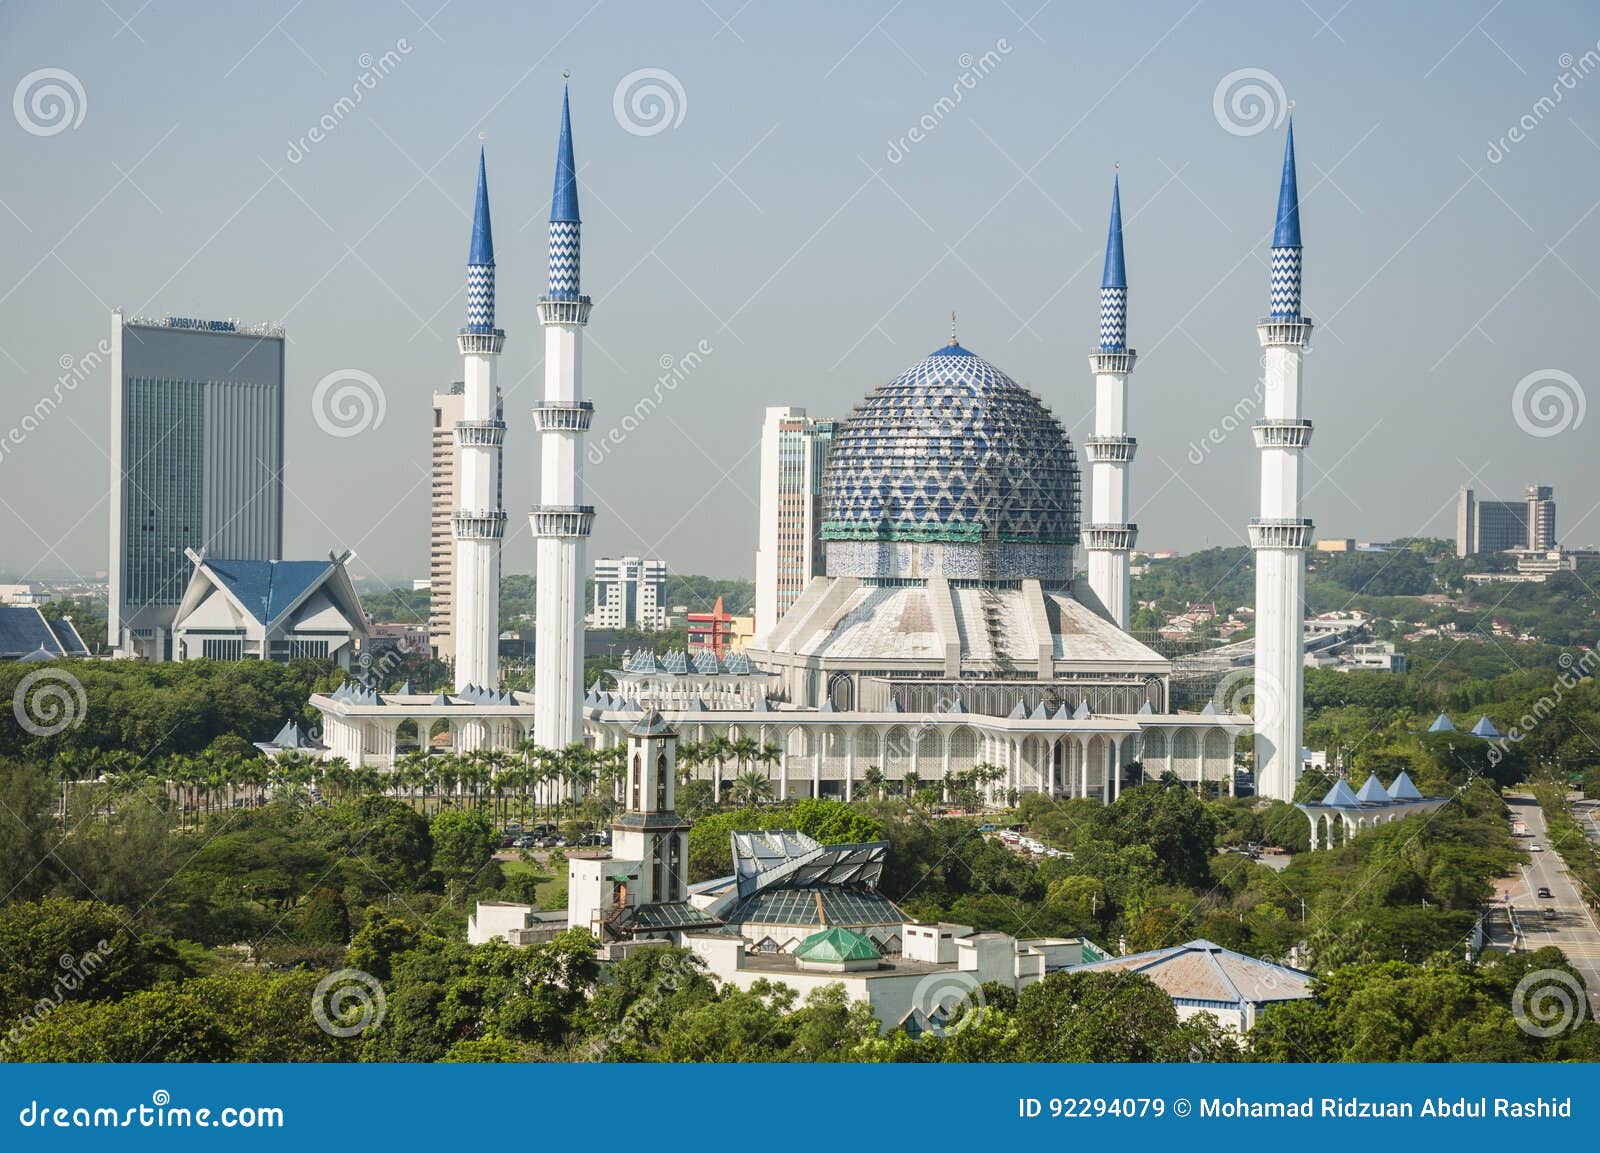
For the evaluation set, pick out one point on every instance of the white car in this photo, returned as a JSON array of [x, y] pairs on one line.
[[1535, 848]]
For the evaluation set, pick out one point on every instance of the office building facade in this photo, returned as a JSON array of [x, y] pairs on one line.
[[794, 453], [630, 592], [196, 462], [1506, 525]]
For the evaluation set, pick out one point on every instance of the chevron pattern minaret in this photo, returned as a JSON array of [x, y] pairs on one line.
[[479, 522], [561, 522], [1280, 535], [1108, 537]]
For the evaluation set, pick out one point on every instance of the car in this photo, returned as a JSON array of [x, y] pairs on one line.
[[1544, 891], [1549, 914], [523, 842], [986, 828], [1536, 847]]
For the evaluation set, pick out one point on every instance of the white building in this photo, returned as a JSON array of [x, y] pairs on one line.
[[449, 409], [794, 453], [278, 610], [629, 592]]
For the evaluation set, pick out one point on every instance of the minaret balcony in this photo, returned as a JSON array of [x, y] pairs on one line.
[[481, 343], [562, 416], [1293, 331], [563, 520], [1110, 537], [1282, 433], [1110, 449], [480, 433], [478, 524], [1119, 362], [568, 310], [1281, 532]]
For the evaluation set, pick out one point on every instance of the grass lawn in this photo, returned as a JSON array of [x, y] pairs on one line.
[[546, 883]]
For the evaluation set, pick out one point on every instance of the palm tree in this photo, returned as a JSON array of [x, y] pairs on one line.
[[751, 788], [911, 782], [873, 778]]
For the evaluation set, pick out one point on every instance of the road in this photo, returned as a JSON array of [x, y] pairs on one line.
[[1573, 930]]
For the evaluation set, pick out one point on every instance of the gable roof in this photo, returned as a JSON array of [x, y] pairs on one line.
[[1202, 971], [266, 589], [24, 631]]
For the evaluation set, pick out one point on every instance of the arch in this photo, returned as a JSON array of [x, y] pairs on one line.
[[1154, 742], [963, 748], [897, 747], [842, 691]]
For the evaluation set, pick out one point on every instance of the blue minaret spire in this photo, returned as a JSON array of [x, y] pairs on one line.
[[1114, 282], [480, 260], [1286, 241], [565, 226]]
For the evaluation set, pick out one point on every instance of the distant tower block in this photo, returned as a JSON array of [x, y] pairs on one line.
[[561, 522], [1109, 536], [479, 523], [1280, 534]]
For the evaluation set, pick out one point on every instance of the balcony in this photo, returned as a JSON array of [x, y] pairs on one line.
[[557, 520], [1109, 449], [1284, 330], [481, 343], [478, 524], [1284, 532], [480, 433], [1282, 433], [1120, 362], [1110, 537], [573, 310], [562, 416]]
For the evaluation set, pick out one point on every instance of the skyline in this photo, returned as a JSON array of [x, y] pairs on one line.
[[717, 236]]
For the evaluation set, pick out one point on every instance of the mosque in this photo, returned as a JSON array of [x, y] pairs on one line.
[[948, 630]]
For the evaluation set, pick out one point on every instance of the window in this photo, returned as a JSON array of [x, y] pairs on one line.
[[661, 783], [222, 649], [634, 781]]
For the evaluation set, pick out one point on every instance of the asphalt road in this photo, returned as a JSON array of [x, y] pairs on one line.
[[1573, 930]]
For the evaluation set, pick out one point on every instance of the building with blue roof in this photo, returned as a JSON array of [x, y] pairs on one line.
[[279, 610], [1354, 811], [27, 634]]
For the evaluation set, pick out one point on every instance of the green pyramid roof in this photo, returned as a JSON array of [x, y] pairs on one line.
[[835, 946]]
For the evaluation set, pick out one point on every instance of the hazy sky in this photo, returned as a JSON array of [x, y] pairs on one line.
[[782, 215]]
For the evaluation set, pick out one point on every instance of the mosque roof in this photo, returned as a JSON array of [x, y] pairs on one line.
[[1287, 232], [564, 198], [1485, 728], [1441, 724], [1373, 792], [1202, 971], [1403, 789], [482, 249], [837, 945], [1116, 273]]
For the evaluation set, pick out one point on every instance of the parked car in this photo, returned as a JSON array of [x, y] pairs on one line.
[[1549, 914], [1536, 848], [1544, 891], [523, 842], [986, 828]]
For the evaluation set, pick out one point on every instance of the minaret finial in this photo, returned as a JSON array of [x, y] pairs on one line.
[[480, 259], [1285, 299], [1114, 280], [953, 341], [564, 221]]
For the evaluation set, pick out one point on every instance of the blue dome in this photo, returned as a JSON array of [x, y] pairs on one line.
[[955, 455]]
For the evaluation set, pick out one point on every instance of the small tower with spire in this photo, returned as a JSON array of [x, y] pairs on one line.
[[561, 521], [479, 523], [1109, 536], [1281, 535]]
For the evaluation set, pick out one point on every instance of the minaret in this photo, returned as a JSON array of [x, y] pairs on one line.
[[1108, 536], [479, 522], [1280, 535], [561, 522]]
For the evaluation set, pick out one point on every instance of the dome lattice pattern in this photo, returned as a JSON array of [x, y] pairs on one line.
[[955, 452]]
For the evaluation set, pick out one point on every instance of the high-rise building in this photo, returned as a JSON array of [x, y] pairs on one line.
[[1280, 535], [630, 592], [196, 462], [794, 451], [444, 499], [1109, 536], [561, 523], [1506, 525]]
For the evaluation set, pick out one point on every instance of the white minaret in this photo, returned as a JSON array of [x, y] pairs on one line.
[[479, 522], [561, 522], [1108, 537], [1280, 534]]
